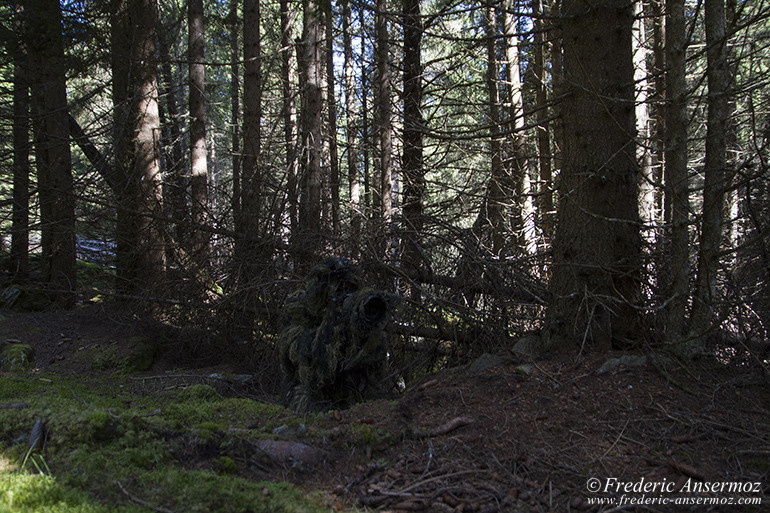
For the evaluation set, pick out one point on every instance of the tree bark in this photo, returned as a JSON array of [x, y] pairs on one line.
[[675, 172], [331, 105], [288, 112], [199, 167], [715, 172], [412, 162], [309, 60], [383, 118], [19, 257], [595, 281], [52, 145], [140, 254], [544, 192], [235, 110], [353, 141]]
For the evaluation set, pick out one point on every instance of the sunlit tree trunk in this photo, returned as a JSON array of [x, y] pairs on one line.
[[544, 193], [675, 172], [288, 112], [517, 164], [199, 167], [647, 189], [595, 281], [353, 141], [715, 172], [54, 162], [383, 117]]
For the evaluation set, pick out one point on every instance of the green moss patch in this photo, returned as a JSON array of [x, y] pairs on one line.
[[106, 448]]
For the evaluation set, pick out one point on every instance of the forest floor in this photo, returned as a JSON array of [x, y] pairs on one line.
[[84, 429]]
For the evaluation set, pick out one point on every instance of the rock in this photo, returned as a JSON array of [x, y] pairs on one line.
[[527, 345], [489, 361], [290, 453], [628, 360]]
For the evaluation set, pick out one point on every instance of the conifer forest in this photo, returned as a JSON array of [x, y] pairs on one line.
[[549, 213]]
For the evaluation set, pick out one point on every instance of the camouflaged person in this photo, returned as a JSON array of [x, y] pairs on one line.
[[332, 347]]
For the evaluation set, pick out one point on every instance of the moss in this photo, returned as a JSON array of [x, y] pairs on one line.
[[141, 356], [106, 359], [22, 493], [16, 357], [225, 465], [366, 435]]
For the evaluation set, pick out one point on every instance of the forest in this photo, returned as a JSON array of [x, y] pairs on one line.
[[543, 190]]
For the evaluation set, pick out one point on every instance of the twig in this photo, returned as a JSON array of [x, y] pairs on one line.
[[141, 502], [13, 406]]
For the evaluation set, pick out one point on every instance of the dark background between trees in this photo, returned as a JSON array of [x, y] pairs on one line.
[[588, 174]]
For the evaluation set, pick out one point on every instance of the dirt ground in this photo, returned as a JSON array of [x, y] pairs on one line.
[[554, 435]]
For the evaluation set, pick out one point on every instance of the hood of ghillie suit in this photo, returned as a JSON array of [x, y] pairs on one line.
[[332, 280]]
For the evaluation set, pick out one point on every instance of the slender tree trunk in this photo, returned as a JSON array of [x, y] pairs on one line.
[[175, 181], [199, 169], [383, 118], [288, 112], [544, 193], [518, 166], [675, 172], [412, 161], [19, 257], [595, 281], [657, 103], [309, 60], [54, 162], [368, 205], [715, 172], [647, 190], [493, 209], [331, 102], [235, 109], [557, 78], [350, 131]]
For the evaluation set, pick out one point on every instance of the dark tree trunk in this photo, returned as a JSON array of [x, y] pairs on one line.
[[412, 162], [675, 174], [52, 145], [235, 109], [595, 281], [309, 60], [544, 192], [331, 102], [714, 167], [140, 253], [19, 257]]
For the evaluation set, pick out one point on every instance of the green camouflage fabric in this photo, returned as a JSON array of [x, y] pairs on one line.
[[332, 347]]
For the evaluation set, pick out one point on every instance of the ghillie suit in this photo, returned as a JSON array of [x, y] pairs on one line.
[[332, 347]]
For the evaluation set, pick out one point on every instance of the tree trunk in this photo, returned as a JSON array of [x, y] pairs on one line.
[[544, 192], [675, 172], [412, 162], [54, 162], [518, 167], [597, 248], [19, 257], [331, 102], [383, 119], [288, 112], [199, 168], [140, 255], [235, 109], [492, 216], [309, 60], [353, 140], [647, 190], [717, 76]]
